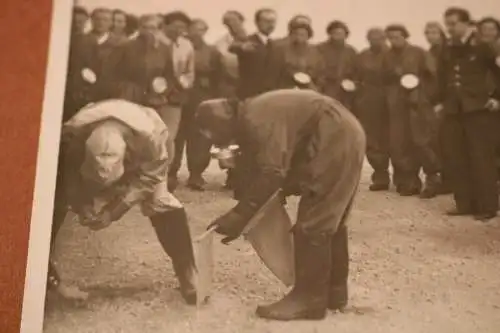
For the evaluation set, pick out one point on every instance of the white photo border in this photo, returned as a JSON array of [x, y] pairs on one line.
[[32, 315]]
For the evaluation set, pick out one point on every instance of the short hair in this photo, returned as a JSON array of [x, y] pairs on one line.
[[119, 12], [100, 10], [200, 21], [171, 17], [301, 18], [398, 28], [294, 25], [147, 17], [462, 13], [337, 25], [80, 10], [438, 26], [232, 12], [374, 30], [262, 11], [489, 20]]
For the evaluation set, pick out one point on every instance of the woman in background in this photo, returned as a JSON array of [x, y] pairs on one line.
[[120, 25]]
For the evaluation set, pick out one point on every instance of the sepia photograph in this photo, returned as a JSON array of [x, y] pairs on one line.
[[268, 166]]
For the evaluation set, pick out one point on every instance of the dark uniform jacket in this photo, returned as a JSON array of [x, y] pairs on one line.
[[103, 61], [305, 59], [340, 64], [140, 64], [261, 69], [464, 70], [208, 72]]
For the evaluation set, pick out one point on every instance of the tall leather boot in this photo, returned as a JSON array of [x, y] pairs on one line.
[[338, 291], [173, 234], [309, 297]]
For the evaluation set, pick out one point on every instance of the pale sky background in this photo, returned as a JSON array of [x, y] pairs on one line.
[[360, 15]]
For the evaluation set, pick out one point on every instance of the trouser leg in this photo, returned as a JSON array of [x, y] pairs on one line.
[[480, 145], [457, 162]]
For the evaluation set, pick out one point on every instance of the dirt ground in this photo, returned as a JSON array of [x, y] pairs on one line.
[[413, 270]]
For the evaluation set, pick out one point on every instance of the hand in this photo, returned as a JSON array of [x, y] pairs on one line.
[[102, 221], [248, 46], [492, 105], [230, 225], [183, 80]]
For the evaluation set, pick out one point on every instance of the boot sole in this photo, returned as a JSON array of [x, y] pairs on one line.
[[310, 315]]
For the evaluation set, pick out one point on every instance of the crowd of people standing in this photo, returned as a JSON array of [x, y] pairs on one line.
[[425, 111]]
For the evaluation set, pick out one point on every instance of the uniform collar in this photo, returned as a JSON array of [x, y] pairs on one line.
[[102, 39]]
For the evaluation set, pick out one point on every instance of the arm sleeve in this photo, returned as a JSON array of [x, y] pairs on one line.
[[270, 157], [151, 173], [493, 62], [190, 66]]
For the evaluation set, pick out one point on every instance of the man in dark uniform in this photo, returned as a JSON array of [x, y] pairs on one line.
[[309, 145], [77, 92], [371, 106], [411, 115], [260, 60], [469, 119], [340, 61]]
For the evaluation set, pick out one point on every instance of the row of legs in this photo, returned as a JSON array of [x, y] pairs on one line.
[[461, 160]]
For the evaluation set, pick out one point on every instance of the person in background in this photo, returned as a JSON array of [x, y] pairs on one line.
[[175, 25], [229, 76], [80, 19], [301, 143], [340, 63], [470, 116], [371, 106], [119, 28], [104, 55], [206, 84], [302, 58], [436, 38], [411, 115], [230, 72], [113, 157], [260, 60], [77, 90], [300, 19], [146, 75], [489, 31]]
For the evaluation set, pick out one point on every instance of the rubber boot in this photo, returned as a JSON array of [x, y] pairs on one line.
[[309, 297], [431, 187], [173, 234], [338, 291]]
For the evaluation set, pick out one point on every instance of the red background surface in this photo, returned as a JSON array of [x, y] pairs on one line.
[[24, 34]]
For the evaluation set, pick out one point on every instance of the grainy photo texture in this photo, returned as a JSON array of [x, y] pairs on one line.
[[277, 166]]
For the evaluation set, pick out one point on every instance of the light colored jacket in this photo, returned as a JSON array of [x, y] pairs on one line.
[[183, 58], [146, 159]]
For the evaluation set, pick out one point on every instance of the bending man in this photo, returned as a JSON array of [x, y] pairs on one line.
[[114, 156], [309, 145]]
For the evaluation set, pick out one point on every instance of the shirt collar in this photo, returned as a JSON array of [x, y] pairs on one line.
[[467, 36], [102, 39], [263, 38]]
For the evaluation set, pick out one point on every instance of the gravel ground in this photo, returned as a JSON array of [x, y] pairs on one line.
[[412, 270]]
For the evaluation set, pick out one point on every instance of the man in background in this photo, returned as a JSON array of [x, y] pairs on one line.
[[175, 25], [470, 117], [260, 59], [206, 84]]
